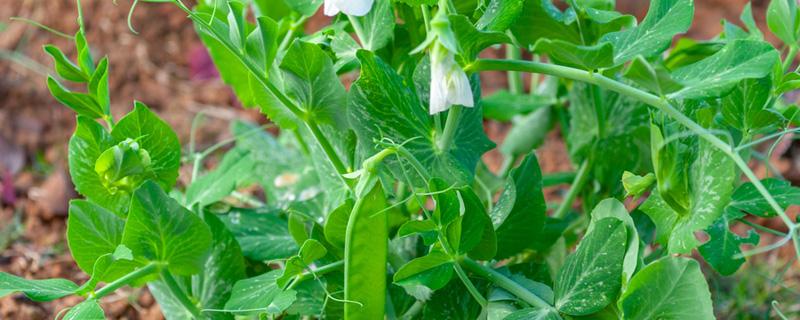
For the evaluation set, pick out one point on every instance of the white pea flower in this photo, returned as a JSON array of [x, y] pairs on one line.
[[449, 83], [349, 7]]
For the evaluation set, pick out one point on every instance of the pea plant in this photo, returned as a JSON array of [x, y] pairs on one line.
[[377, 202]]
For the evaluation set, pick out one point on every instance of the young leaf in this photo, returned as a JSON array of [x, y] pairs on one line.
[[715, 75], [65, 68], [518, 226], [310, 79], [87, 310], [670, 288], [590, 278], [782, 20], [664, 20], [159, 229], [260, 294], [365, 257], [36, 290], [310, 251], [433, 271], [83, 104], [261, 233], [471, 41]]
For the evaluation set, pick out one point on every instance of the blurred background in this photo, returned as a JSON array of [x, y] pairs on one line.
[[166, 67]]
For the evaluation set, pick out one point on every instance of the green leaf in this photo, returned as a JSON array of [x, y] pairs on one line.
[[636, 185], [433, 271], [670, 288], [750, 23], [518, 226], [93, 232], [87, 310], [471, 41], [223, 268], [305, 7], [664, 20], [311, 80], [722, 248], [651, 77], [541, 19], [87, 143], [159, 229], [584, 57], [260, 294], [715, 75], [82, 103], [499, 15], [382, 106], [310, 251], [36, 290], [377, 25], [65, 68], [84, 53], [782, 20], [236, 167], [590, 278], [746, 107], [98, 86], [746, 197], [261, 233], [615, 209], [365, 257], [533, 314]]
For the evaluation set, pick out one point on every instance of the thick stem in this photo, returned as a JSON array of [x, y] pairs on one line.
[[643, 96], [453, 118], [179, 294], [515, 84], [128, 278], [574, 189], [787, 62], [505, 283]]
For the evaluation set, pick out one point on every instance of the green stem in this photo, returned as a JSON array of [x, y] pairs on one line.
[[360, 32], [179, 294], [148, 269], [503, 282], [763, 228], [515, 85], [554, 179], [643, 96], [327, 147], [787, 62], [316, 273], [470, 286], [413, 311], [508, 164], [574, 189], [453, 118]]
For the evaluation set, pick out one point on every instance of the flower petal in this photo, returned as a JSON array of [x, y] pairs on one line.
[[355, 7], [330, 8]]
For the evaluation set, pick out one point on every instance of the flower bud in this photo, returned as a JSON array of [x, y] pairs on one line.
[[449, 83]]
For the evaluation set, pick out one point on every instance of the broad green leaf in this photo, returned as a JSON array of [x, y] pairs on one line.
[[82, 103], [377, 25], [311, 80], [670, 288], [433, 270], [590, 278], [722, 248], [260, 294], [746, 197], [518, 227], [533, 314], [365, 257], [236, 167], [715, 75], [87, 310], [614, 209], [64, 67], [471, 41], [654, 78], [584, 57], [92, 232], [499, 15], [782, 20], [664, 20], [746, 107], [503, 105], [382, 106], [542, 19], [159, 229], [261, 233], [36, 290], [478, 238], [223, 268], [87, 143]]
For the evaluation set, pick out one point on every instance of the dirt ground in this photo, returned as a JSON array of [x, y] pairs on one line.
[[166, 67]]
